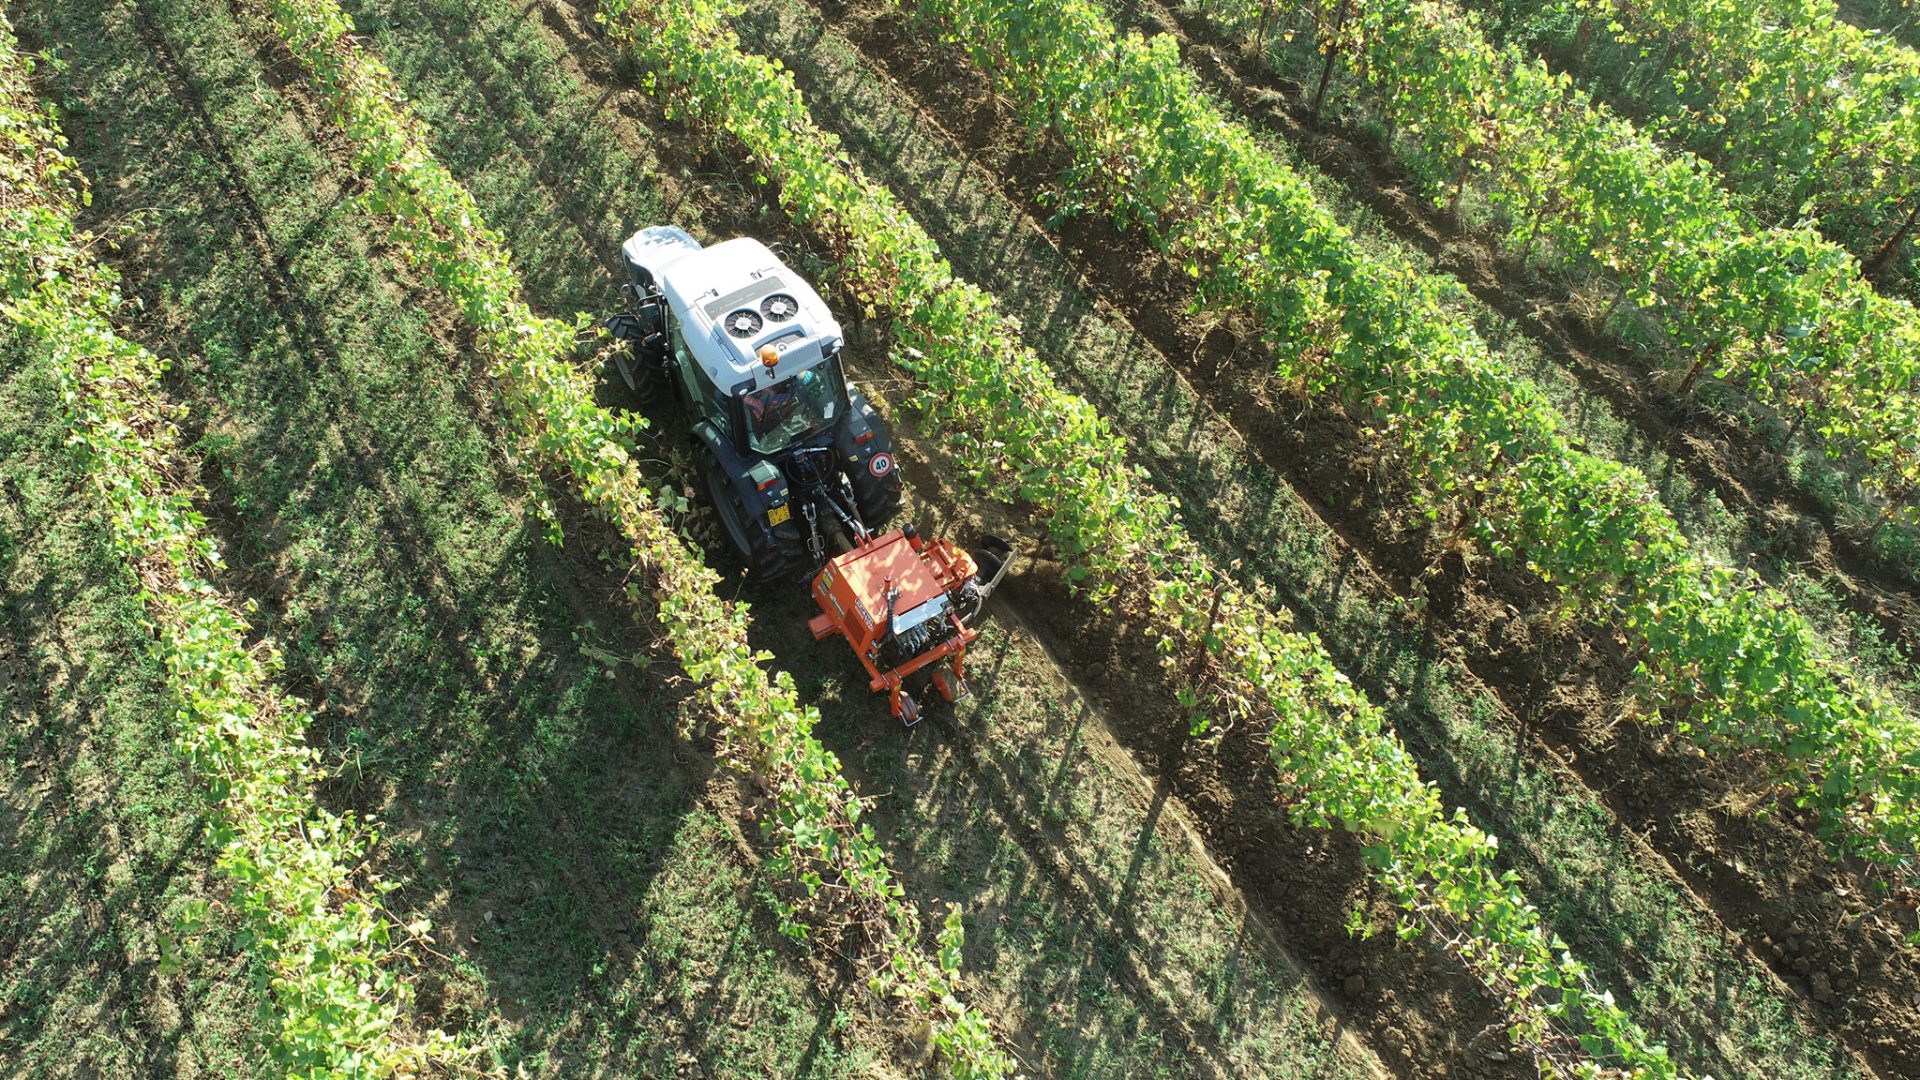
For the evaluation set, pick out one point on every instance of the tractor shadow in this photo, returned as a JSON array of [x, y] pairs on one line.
[[1005, 805]]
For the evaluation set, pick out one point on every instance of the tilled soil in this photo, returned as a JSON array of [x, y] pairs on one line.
[[1423, 1013]]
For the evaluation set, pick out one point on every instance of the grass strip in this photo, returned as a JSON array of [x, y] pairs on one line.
[[820, 842], [318, 927], [1007, 417]]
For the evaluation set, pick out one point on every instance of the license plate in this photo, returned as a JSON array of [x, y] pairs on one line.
[[779, 514]]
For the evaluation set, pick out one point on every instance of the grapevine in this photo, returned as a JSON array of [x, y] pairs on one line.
[[1797, 105], [821, 844], [314, 921], [1738, 667], [1779, 311], [1008, 420]]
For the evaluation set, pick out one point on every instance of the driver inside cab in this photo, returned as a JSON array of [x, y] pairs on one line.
[[768, 409]]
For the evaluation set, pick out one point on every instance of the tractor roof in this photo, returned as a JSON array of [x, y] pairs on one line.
[[732, 299]]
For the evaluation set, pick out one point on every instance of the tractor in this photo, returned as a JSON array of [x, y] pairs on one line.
[[798, 467]]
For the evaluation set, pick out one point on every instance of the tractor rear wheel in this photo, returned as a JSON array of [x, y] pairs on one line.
[[764, 560], [876, 497]]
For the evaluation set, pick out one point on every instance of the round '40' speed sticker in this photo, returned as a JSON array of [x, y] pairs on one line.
[[880, 464]]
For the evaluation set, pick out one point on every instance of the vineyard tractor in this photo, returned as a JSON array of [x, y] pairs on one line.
[[799, 468]]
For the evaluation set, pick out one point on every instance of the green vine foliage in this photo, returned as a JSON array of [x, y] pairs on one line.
[[313, 920], [1010, 424], [837, 867], [1779, 311], [1791, 99], [1733, 662]]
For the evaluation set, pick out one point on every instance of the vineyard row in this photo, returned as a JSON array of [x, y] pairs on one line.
[[1739, 668], [314, 924], [1006, 419], [1804, 111], [1779, 311]]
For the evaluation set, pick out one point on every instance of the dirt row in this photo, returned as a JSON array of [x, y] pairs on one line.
[[1806, 918], [1724, 455]]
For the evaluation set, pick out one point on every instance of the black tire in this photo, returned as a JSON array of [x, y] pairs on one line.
[[644, 371], [755, 546], [877, 498]]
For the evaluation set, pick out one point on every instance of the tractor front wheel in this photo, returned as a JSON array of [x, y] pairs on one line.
[[644, 370]]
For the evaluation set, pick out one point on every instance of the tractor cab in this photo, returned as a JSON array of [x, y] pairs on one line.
[[797, 464], [745, 338], [795, 459]]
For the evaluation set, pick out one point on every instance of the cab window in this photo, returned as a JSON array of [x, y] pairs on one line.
[[793, 408], [708, 398]]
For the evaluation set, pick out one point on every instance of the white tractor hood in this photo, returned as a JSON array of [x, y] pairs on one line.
[[732, 299]]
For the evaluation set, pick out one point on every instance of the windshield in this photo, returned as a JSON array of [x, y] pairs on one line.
[[792, 408]]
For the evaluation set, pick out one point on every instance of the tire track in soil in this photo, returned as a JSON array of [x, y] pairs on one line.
[[1573, 725], [1717, 452], [570, 31]]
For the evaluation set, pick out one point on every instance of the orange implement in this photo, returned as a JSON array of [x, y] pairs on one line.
[[898, 600]]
